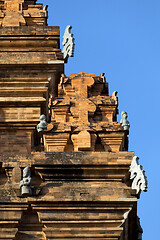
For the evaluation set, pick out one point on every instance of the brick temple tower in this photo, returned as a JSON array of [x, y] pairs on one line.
[[68, 174]]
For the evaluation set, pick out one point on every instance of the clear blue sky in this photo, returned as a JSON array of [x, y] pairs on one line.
[[122, 39]]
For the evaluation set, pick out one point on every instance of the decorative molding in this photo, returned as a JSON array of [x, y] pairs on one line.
[[112, 141], [56, 62], [55, 142]]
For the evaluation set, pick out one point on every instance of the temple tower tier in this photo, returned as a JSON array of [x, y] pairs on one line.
[[66, 172]]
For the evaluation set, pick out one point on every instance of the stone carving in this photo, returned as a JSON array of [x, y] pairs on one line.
[[42, 125], [68, 43], [114, 96], [45, 8], [124, 121], [103, 77], [138, 176], [25, 183]]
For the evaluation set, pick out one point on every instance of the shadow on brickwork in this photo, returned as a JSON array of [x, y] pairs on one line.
[[29, 226]]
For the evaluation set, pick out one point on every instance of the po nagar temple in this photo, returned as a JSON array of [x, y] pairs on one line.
[[65, 168]]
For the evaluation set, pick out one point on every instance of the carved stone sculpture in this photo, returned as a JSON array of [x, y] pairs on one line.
[[25, 183], [103, 77], [45, 8], [68, 43], [43, 124], [124, 121], [138, 176]]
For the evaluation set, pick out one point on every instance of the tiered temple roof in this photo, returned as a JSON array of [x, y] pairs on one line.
[[70, 179]]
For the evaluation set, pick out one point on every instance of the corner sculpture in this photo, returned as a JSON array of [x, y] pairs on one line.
[[125, 123], [68, 43], [25, 183], [138, 176], [42, 125]]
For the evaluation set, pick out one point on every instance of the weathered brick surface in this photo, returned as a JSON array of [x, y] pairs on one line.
[[20, 114], [26, 83], [84, 108], [15, 141], [80, 163], [21, 13], [82, 193]]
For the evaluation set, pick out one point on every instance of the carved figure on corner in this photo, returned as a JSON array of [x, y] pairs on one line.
[[25, 183], [125, 123], [138, 176], [43, 124], [68, 43]]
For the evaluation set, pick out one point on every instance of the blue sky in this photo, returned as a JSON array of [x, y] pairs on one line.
[[122, 39]]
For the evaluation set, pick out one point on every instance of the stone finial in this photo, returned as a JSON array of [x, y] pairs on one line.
[[138, 176], [124, 121], [43, 124], [45, 8], [68, 43], [114, 96], [103, 77], [25, 183]]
